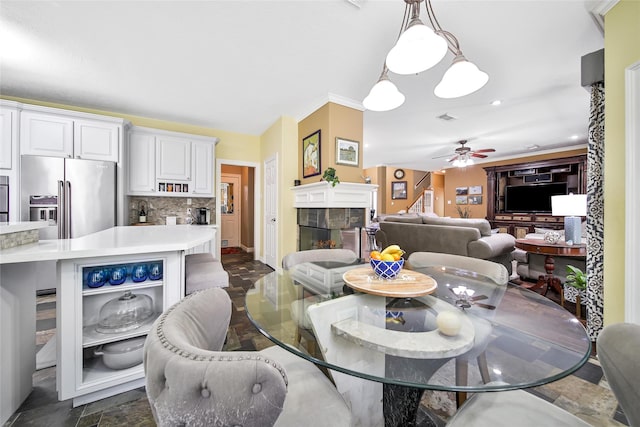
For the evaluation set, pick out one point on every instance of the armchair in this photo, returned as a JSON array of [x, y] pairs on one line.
[[191, 382]]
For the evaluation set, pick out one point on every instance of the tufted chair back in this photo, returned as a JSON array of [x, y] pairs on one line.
[[191, 382]]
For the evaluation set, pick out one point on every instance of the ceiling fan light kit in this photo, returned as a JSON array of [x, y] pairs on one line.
[[419, 48]]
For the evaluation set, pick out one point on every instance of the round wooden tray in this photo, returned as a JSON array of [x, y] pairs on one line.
[[407, 283]]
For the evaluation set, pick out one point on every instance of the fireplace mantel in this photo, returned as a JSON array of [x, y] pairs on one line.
[[323, 195]]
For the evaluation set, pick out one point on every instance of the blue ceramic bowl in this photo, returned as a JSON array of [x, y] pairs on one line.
[[97, 277], [387, 269], [139, 273]]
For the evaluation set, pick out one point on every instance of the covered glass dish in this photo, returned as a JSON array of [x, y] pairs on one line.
[[127, 312]]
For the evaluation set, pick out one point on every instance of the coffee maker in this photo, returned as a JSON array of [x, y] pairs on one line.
[[203, 215]]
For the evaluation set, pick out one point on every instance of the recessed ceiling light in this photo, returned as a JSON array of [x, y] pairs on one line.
[[574, 137], [533, 147], [496, 102]]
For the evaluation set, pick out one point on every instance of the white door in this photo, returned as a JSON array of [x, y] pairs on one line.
[[230, 210], [271, 211]]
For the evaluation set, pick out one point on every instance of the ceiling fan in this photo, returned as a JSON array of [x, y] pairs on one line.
[[463, 154]]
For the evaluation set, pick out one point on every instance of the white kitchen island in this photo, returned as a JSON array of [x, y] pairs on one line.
[[80, 375]]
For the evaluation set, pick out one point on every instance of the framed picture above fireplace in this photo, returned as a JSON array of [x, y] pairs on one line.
[[311, 155], [347, 152]]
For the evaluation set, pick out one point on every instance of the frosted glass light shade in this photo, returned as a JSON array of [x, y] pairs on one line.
[[417, 49], [462, 78], [383, 96]]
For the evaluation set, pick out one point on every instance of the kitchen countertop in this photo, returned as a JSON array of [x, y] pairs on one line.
[[121, 240], [16, 227]]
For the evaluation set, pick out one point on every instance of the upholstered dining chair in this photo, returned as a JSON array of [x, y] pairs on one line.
[[618, 346], [191, 382], [498, 274], [298, 308]]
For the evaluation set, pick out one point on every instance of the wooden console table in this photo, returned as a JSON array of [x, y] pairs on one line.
[[539, 246]]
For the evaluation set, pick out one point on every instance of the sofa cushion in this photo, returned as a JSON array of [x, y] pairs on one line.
[[405, 219], [482, 225]]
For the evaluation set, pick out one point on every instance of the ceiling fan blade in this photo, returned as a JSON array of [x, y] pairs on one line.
[[485, 150], [441, 157], [453, 158], [480, 156]]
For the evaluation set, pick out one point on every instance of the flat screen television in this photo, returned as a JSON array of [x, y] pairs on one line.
[[533, 197]]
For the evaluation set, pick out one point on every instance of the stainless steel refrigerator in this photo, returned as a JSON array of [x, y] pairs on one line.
[[76, 197]]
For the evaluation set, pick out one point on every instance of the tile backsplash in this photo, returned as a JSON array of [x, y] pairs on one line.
[[159, 208]]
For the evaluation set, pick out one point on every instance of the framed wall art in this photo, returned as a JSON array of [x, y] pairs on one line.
[[347, 152], [475, 200], [461, 200], [311, 155], [462, 191], [476, 189], [398, 190]]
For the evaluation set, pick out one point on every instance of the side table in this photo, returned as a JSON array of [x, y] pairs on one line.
[[550, 250]]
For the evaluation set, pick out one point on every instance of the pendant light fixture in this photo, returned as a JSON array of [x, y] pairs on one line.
[[417, 49], [384, 95]]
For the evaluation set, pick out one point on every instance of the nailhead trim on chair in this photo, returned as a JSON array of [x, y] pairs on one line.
[[169, 346]]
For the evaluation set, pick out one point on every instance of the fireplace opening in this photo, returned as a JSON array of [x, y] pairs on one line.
[[326, 228]]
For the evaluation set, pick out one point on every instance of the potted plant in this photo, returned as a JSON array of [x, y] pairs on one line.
[[331, 177], [464, 212], [575, 287]]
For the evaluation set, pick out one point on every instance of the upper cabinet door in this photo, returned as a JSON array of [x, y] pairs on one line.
[[46, 134], [141, 163], [173, 158], [95, 140], [6, 137], [202, 169]]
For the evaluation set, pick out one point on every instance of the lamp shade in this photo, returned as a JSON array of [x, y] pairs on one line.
[[462, 78], [383, 96], [569, 205], [417, 49]]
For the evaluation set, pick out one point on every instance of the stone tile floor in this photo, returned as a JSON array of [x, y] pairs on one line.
[[585, 393]]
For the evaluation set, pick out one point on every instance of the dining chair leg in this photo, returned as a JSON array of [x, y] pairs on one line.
[[461, 372], [483, 367]]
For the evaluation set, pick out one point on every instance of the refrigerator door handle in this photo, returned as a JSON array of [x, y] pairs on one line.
[[61, 212], [67, 210]]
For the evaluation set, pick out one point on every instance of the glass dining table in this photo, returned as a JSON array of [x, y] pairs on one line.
[[390, 349]]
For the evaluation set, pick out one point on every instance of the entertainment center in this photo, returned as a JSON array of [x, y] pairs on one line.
[[519, 195]]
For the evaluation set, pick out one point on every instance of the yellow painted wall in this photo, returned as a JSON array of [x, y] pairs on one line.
[[333, 120], [281, 139], [621, 49], [476, 175]]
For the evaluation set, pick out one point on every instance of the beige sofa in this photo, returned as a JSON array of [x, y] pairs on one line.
[[457, 236]]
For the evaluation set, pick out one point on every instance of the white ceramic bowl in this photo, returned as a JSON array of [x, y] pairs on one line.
[[122, 354]]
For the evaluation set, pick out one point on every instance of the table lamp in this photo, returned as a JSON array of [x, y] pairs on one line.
[[572, 207]]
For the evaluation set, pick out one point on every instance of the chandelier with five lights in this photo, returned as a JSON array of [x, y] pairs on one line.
[[417, 49]]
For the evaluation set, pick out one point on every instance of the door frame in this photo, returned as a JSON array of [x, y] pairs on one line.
[[257, 196]]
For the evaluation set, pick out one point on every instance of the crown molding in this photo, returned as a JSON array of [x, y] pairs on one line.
[[599, 8], [331, 97]]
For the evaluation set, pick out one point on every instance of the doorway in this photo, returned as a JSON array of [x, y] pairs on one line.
[[246, 202], [230, 210]]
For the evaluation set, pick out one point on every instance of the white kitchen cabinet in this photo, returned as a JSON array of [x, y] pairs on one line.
[[173, 158], [7, 136], [170, 164], [61, 133], [43, 134], [141, 162], [83, 375], [202, 169], [94, 140]]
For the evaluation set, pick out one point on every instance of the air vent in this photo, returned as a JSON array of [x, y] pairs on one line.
[[446, 117]]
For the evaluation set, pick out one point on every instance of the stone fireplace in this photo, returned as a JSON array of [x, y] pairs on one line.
[[332, 217]]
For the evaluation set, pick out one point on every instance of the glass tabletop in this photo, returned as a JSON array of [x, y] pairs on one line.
[[507, 337]]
